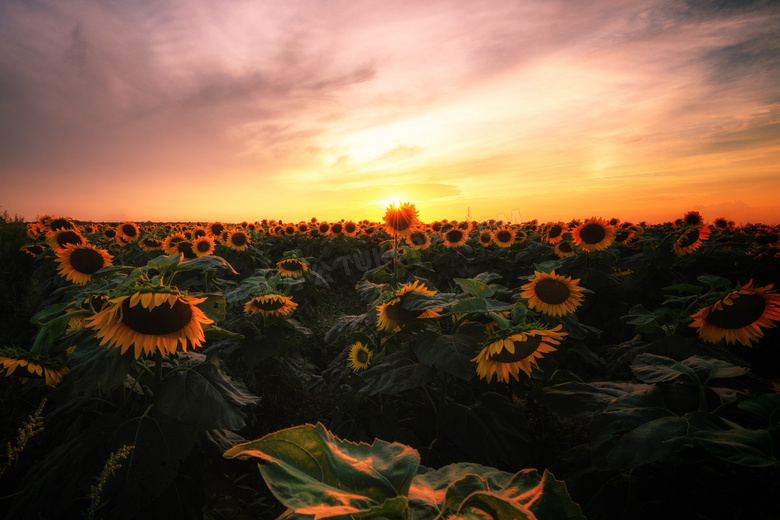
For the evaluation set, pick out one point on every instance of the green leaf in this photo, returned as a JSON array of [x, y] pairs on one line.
[[685, 288], [582, 400], [95, 367], [415, 301], [766, 406], [451, 353], [713, 281], [164, 263], [497, 507], [310, 471], [699, 369], [738, 446], [480, 305], [474, 288], [208, 262], [395, 374], [214, 306], [50, 312], [204, 397]]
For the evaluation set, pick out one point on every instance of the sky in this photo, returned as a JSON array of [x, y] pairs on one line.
[[206, 110]]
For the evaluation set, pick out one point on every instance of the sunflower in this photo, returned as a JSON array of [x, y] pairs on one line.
[[302, 227], [401, 219], [392, 314], [504, 237], [552, 293], [624, 235], [270, 305], [59, 224], [485, 237], [723, 224], [238, 240], [31, 366], [359, 357], [419, 240], [186, 249], [454, 237], [128, 231], [509, 351], [564, 249], [292, 267], [739, 316], [215, 228], [203, 245], [79, 263], [150, 322], [350, 228], [169, 244], [150, 244], [553, 232], [593, 234], [693, 218], [690, 240], [35, 231], [34, 250], [59, 239]]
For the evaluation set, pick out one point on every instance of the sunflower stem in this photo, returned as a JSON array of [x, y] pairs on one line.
[[157, 372], [395, 258]]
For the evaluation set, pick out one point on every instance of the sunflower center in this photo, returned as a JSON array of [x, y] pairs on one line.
[[689, 238], [454, 235], [621, 236], [397, 312], [268, 305], [417, 238], [217, 229], [555, 231], [361, 356], [291, 265], [238, 239], [60, 223], [593, 233], [203, 246], [336, 228], [68, 237], [523, 349], [350, 228], [745, 309], [129, 230], [86, 261], [552, 292], [159, 321], [504, 236], [565, 247]]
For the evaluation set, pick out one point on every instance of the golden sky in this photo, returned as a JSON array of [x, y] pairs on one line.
[[197, 110]]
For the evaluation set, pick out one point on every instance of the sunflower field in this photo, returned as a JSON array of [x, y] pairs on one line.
[[397, 369]]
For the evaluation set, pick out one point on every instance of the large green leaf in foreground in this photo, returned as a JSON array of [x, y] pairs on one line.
[[315, 474], [312, 472]]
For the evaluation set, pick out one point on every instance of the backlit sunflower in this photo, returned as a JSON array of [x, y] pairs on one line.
[[302, 227], [31, 366], [79, 263], [392, 314], [150, 244], [292, 267], [454, 237], [564, 249], [690, 240], [359, 357], [739, 316], [270, 305], [169, 244], [238, 240], [401, 219], [323, 228], [504, 237], [150, 321], [59, 239], [594, 234], [215, 228], [552, 293], [59, 224], [506, 352], [186, 249], [33, 249], [419, 240], [693, 218], [128, 231], [485, 237], [350, 228], [553, 232], [203, 245]]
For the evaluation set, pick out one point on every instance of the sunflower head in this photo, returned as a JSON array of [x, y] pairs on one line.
[[271, 304], [238, 240], [292, 267], [359, 356], [740, 316], [690, 240], [504, 237], [552, 294], [26, 366], [391, 312], [485, 237], [508, 351], [564, 249], [128, 231], [150, 319], [77, 263], [594, 234], [454, 237], [419, 240], [203, 245], [401, 219]]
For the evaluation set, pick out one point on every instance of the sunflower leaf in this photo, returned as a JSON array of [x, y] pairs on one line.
[[480, 305], [312, 472], [738, 446], [395, 374], [204, 397], [474, 287], [713, 281], [451, 353]]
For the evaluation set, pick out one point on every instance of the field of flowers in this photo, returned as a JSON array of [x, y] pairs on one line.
[[398, 369]]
